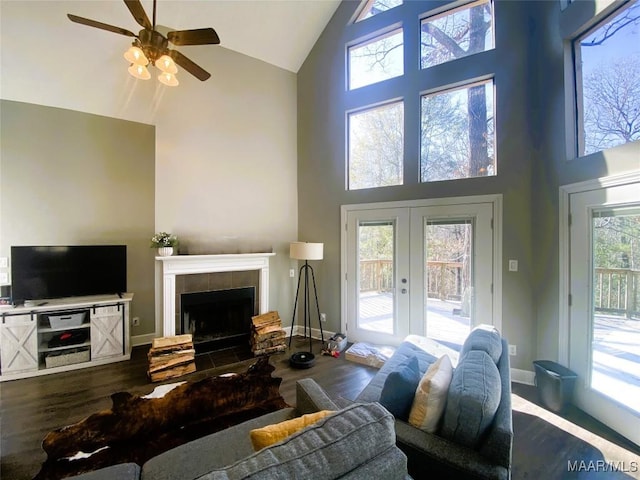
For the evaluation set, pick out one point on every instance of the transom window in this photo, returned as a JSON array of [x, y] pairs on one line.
[[376, 60], [456, 33], [457, 133], [374, 7], [607, 75], [376, 146]]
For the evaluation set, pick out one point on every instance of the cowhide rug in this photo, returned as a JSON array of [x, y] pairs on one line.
[[136, 428]]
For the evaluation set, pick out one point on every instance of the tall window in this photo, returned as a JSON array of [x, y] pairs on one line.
[[456, 33], [376, 147], [453, 124], [457, 133], [376, 60], [607, 72]]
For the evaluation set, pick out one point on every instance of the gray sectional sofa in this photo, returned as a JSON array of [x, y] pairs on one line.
[[470, 443], [358, 441]]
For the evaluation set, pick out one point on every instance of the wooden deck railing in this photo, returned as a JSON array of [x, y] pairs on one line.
[[616, 291], [444, 279]]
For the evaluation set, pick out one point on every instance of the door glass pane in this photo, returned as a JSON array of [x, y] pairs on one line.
[[615, 362], [376, 305], [448, 280]]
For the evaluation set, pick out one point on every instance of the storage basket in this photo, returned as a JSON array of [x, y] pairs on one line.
[[66, 357], [67, 320]]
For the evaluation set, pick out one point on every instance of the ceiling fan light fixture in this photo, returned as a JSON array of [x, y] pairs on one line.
[[166, 64], [136, 56], [139, 71], [169, 79]]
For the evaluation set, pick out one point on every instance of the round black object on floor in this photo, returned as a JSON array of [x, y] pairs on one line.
[[302, 360]]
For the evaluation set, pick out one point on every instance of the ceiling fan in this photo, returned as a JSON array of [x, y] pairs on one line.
[[150, 46]]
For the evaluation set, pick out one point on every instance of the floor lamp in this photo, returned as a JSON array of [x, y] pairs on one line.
[[305, 251]]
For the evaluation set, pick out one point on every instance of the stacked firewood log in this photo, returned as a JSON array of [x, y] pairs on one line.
[[171, 357], [267, 336]]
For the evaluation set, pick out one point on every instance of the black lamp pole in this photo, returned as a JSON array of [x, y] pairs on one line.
[[306, 268]]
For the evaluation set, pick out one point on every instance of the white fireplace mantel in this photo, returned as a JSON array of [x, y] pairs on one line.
[[190, 264]]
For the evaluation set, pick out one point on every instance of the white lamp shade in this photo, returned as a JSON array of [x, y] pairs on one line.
[[139, 71], [166, 64], [306, 250], [136, 55], [168, 79]]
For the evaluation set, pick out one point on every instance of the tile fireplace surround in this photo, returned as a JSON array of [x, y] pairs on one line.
[[172, 266]]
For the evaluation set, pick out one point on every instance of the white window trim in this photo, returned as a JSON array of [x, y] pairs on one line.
[[564, 257]]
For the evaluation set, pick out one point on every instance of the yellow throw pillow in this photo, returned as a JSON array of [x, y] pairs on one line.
[[265, 436], [431, 396]]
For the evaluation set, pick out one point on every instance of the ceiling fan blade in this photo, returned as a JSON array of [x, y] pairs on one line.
[[103, 26], [199, 36], [189, 66], [135, 7]]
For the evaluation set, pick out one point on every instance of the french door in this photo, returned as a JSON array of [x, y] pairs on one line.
[[420, 268], [604, 312]]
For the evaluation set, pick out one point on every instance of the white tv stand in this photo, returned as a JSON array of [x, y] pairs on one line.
[[26, 334]]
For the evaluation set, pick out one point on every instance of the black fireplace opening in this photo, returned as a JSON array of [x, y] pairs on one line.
[[218, 319]]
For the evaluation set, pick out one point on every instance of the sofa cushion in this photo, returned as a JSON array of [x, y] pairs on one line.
[[431, 396], [330, 448], [400, 388], [404, 352], [474, 395], [265, 436], [485, 338]]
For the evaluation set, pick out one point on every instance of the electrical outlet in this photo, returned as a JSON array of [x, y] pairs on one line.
[[513, 265], [323, 317], [4, 277], [513, 350], [292, 273], [135, 321], [4, 262]]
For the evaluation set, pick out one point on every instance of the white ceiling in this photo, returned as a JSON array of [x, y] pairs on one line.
[[279, 32]]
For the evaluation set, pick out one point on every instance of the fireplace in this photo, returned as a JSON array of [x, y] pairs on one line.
[[218, 319], [180, 274]]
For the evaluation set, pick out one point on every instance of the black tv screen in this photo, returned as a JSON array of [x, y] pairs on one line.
[[45, 272]]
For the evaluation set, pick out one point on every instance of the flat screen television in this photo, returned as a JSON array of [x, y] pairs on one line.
[[48, 272]]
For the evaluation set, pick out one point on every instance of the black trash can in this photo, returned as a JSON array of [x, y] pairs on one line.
[[555, 384]]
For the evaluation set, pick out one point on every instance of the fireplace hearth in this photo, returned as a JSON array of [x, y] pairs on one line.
[[218, 319]]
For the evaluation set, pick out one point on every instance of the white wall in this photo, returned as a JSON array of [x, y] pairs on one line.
[[225, 148]]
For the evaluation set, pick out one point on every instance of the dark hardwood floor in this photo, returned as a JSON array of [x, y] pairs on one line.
[[545, 444]]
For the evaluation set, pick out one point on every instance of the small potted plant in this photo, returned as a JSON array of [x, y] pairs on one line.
[[164, 242]]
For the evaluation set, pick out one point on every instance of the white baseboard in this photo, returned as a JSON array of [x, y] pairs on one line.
[[523, 376], [142, 339], [315, 332]]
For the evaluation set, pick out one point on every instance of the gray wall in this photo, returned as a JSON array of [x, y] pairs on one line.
[[551, 105], [534, 105], [321, 156], [71, 178]]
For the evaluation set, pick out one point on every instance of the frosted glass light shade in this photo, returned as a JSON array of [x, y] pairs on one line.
[[136, 56], [168, 79], [166, 64], [139, 71], [306, 250]]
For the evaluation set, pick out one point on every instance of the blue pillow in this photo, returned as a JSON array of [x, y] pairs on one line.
[[400, 388]]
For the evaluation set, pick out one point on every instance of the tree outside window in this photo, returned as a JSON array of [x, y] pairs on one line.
[[608, 82], [376, 147]]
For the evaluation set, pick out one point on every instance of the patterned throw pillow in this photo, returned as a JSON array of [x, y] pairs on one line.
[[431, 396], [400, 388]]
